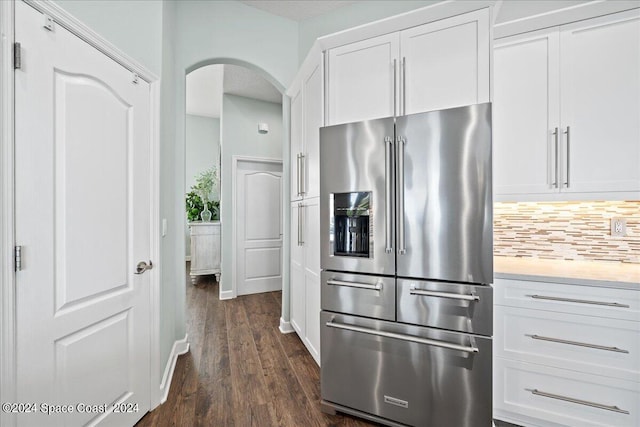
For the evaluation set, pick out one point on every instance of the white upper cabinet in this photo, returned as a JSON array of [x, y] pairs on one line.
[[296, 146], [600, 109], [567, 111], [362, 79], [306, 119], [442, 64], [445, 64], [312, 90], [526, 114]]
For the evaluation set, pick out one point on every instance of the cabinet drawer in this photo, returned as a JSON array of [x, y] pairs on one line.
[[359, 294], [461, 307], [564, 397], [621, 304], [589, 344], [205, 229]]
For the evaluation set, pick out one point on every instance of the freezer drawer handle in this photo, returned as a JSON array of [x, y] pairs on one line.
[[376, 287], [578, 401], [578, 343], [403, 337], [414, 291], [580, 301]]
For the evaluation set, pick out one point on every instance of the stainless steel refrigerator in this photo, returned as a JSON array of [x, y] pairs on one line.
[[407, 260]]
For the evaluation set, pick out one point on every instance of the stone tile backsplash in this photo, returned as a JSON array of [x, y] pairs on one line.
[[567, 230]]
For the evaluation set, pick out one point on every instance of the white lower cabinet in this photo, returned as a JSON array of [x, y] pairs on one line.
[[566, 354], [305, 273]]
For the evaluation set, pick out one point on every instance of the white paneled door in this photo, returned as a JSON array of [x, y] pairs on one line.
[[83, 215], [258, 204]]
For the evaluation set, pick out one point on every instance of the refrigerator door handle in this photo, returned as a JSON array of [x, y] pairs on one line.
[[404, 337], [388, 188], [400, 191]]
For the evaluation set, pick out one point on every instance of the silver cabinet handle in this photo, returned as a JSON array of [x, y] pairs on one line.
[[578, 401], [300, 224], [388, 188], [376, 287], [557, 163], [298, 174], [404, 85], [414, 291], [395, 87], [404, 337], [577, 343], [400, 193], [142, 266], [580, 301], [303, 172], [568, 133]]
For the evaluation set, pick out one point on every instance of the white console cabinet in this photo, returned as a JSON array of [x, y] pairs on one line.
[[205, 249]]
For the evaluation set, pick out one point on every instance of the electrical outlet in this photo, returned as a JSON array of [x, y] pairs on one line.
[[618, 227]]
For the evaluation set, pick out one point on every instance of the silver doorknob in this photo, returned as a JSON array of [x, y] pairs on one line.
[[143, 266]]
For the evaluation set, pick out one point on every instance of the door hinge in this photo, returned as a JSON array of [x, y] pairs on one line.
[[17, 56], [17, 255]]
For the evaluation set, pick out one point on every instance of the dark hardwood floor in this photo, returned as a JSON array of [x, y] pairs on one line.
[[240, 370]]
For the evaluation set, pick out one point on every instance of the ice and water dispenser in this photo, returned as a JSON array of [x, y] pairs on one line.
[[352, 222]]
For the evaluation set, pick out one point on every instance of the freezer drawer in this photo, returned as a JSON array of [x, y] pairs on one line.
[[460, 307], [369, 296], [409, 374]]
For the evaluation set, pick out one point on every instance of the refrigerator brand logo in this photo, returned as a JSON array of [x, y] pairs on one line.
[[397, 402]]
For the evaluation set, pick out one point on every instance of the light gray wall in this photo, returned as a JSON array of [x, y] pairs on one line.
[[239, 123], [515, 9], [172, 266], [202, 148], [233, 33], [134, 26], [359, 13]]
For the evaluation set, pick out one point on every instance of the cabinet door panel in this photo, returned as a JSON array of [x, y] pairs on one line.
[[296, 144], [312, 123], [296, 277], [312, 276], [446, 63], [600, 92], [361, 80], [526, 114]]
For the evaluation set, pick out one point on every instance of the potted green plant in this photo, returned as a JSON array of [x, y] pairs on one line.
[[202, 190]]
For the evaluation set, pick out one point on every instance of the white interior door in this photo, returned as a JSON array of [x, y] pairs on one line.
[[258, 197], [82, 218]]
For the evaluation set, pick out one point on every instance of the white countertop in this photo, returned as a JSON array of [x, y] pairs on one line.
[[594, 273]]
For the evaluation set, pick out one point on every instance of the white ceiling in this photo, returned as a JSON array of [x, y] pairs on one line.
[[295, 9], [243, 82], [206, 85]]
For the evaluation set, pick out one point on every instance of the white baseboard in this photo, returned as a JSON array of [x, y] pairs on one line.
[[187, 258], [179, 347], [226, 295], [285, 327]]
